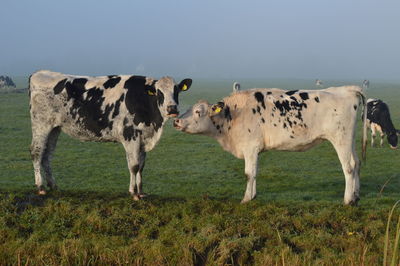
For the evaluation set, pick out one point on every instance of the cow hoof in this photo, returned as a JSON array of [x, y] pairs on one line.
[[142, 195], [136, 197], [353, 202], [52, 187]]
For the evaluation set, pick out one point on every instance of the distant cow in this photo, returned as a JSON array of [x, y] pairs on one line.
[[318, 83], [236, 87], [249, 122], [127, 109], [378, 119], [365, 84]]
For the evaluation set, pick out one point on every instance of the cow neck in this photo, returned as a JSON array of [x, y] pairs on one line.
[[222, 124]]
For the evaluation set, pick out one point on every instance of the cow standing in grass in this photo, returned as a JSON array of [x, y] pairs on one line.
[[378, 119], [131, 110], [252, 121]]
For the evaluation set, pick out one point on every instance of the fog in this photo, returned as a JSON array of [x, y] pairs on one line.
[[338, 39]]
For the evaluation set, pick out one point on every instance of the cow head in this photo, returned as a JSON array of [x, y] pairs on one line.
[[167, 93], [199, 118]]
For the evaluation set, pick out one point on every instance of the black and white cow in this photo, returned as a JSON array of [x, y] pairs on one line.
[[120, 108], [378, 119], [252, 121]]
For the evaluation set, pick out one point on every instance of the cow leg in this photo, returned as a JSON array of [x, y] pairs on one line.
[[47, 156], [38, 148], [351, 168], [142, 158], [251, 172], [373, 135], [382, 138], [132, 150]]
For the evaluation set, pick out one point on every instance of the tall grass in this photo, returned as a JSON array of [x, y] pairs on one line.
[[395, 246]]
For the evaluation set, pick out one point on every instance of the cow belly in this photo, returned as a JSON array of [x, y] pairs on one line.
[[293, 144], [78, 132]]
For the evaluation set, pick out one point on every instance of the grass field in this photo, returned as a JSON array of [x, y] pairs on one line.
[[193, 215]]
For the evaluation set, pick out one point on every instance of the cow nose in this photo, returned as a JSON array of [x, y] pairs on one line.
[[172, 110], [176, 122]]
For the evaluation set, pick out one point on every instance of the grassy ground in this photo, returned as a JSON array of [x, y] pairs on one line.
[[192, 215]]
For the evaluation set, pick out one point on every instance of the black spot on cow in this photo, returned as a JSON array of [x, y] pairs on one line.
[[268, 92], [235, 106], [274, 125], [304, 96], [227, 114], [160, 98], [87, 109], [258, 110], [249, 130], [139, 103], [130, 133], [60, 86], [260, 98], [263, 120], [117, 106], [355, 107], [282, 106], [289, 121], [291, 137], [254, 110], [111, 82], [291, 92], [316, 99], [284, 125], [218, 127], [176, 94]]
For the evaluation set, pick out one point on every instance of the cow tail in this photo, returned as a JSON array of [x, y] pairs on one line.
[[364, 134], [29, 86]]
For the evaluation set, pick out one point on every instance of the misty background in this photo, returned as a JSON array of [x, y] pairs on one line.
[[225, 39]]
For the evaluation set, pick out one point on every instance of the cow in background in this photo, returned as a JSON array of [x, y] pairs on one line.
[[131, 110], [236, 87], [378, 119], [249, 122]]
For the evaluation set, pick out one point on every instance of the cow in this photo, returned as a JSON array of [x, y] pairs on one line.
[[365, 83], [318, 83], [249, 122], [378, 120], [236, 87], [128, 109]]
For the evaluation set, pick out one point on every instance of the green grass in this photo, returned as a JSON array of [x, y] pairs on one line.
[[193, 215]]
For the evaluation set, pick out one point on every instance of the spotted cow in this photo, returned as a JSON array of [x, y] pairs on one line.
[[252, 121], [379, 121], [119, 108]]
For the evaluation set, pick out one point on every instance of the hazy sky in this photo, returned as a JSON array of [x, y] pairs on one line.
[[337, 39]]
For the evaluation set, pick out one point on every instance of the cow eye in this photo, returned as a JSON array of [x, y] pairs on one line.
[[197, 112]]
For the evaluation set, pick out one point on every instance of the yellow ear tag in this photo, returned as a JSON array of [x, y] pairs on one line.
[[151, 93], [217, 110], [184, 87]]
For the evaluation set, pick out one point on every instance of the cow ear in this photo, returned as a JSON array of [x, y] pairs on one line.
[[216, 108], [185, 84]]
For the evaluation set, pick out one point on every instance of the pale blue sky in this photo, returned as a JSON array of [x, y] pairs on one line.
[[337, 39]]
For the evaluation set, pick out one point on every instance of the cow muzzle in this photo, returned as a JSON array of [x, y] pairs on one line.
[[177, 124], [172, 111]]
